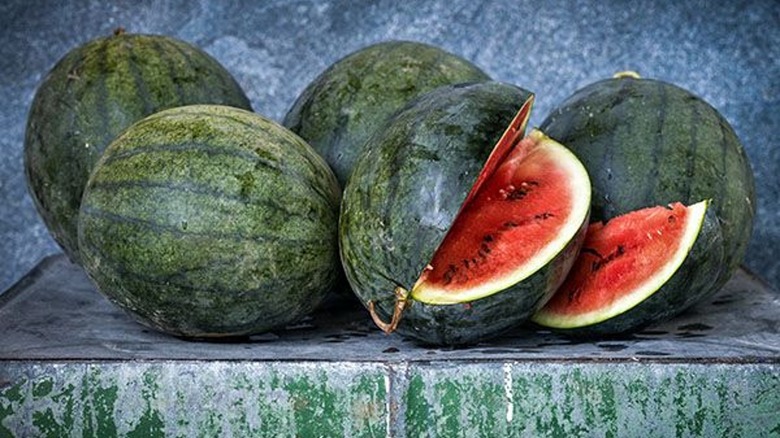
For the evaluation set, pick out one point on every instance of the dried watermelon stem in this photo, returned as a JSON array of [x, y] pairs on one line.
[[401, 302]]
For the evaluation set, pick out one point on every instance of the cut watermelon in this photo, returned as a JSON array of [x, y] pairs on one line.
[[517, 221], [450, 232], [626, 262]]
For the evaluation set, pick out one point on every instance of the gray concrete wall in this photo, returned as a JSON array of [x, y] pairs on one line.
[[728, 54]]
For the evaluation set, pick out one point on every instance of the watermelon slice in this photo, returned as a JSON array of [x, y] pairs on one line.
[[520, 218], [514, 237], [627, 261]]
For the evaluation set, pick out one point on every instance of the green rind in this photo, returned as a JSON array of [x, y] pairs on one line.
[[646, 143], [211, 221], [485, 318], [693, 281], [405, 191], [91, 95], [341, 108]]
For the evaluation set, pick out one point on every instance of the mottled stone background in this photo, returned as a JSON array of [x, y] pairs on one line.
[[727, 53]]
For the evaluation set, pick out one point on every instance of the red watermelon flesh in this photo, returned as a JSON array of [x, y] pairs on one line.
[[507, 144], [525, 210], [622, 262]]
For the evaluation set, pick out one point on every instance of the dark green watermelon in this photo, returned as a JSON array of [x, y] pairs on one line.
[[351, 99], [402, 198], [646, 143], [207, 221], [95, 92]]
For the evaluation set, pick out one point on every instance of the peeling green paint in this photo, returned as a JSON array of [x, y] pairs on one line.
[[365, 399], [578, 400], [311, 403], [418, 410], [42, 388], [150, 424], [98, 405], [47, 425], [56, 419]]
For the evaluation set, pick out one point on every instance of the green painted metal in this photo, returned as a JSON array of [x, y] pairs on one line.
[[157, 399], [72, 364], [448, 399], [528, 399]]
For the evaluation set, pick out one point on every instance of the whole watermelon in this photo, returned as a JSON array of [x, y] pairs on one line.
[[207, 221], [403, 196], [93, 93], [647, 142], [351, 99]]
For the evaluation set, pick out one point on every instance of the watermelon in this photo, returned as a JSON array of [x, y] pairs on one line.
[[450, 240], [352, 98], [211, 221], [647, 143], [637, 269], [93, 93]]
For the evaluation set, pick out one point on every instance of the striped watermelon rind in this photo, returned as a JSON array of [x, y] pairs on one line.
[[402, 198], [646, 142], [93, 93], [343, 106], [205, 221]]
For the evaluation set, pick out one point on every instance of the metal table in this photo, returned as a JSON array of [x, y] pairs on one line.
[[72, 364]]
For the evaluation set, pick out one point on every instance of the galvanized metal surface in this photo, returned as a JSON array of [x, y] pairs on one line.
[[372, 399], [71, 364]]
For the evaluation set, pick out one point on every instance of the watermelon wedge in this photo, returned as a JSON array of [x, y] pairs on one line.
[[513, 241], [455, 226], [636, 269], [521, 217]]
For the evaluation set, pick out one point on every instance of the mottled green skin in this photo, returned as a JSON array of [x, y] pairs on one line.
[[693, 281], [646, 143], [403, 196], [95, 92], [351, 99], [211, 221]]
